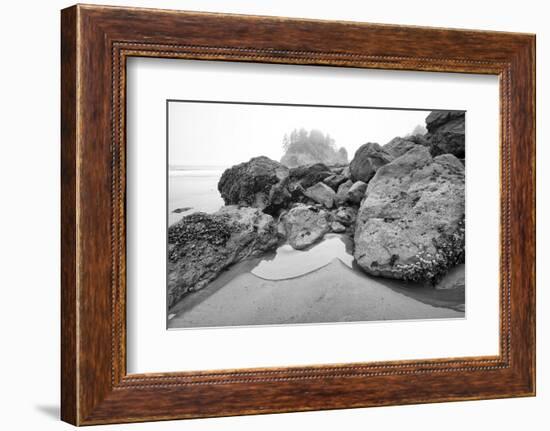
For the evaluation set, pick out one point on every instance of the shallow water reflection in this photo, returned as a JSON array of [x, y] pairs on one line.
[[288, 263]]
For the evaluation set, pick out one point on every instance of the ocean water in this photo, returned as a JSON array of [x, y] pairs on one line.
[[193, 187]]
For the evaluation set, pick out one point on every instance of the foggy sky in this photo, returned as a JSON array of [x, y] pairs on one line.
[[227, 134]]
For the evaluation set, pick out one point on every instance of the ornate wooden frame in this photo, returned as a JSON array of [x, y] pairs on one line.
[[95, 43]]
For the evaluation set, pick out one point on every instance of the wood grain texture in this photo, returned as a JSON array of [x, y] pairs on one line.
[[69, 397], [96, 41]]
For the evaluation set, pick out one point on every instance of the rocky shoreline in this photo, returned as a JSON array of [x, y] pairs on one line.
[[402, 204]]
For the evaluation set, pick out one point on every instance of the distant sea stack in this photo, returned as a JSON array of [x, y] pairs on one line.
[[303, 148]]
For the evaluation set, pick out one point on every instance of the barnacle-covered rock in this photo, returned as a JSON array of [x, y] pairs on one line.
[[411, 223], [201, 245]]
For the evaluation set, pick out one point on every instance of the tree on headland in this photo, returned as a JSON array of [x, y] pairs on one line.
[[286, 142], [302, 148]]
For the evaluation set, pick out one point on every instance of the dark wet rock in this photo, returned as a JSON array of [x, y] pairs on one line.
[[367, 160], [321, 193], [350, 193], [454, 279], [337, 227], [251, 183], [281, 231], [446, 132], [419, 140], [345, 215], [334, 181], [399, 146], [297, 192], [305, 225], [201, 245], [336, 169], [279, 197], [309, 175], [436, 119], [411, 223], [356, 192], [182, 210], [342, 194]]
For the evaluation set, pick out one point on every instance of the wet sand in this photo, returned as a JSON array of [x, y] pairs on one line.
[[333, 293]]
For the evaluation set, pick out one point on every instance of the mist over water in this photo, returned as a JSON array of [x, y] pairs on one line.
[[193, 187]]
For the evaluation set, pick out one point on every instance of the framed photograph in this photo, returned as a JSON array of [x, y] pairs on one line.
[[265, 214]]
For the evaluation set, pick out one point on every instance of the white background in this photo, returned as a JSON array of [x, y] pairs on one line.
[[153, 349], [29, 224]]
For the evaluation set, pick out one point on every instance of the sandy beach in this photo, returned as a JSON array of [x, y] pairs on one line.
[[332, 293]]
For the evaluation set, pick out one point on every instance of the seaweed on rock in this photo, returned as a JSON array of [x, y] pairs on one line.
[[434, 266]]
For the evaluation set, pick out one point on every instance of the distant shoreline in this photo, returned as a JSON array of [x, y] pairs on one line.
[[194, 188]]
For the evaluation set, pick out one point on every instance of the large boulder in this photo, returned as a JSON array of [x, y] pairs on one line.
[[322, 194], [251, 183], [368, 159], [342, 194], [411, 223], [356, 192], [350, 193], [201, 245], [399, 146], [337, 227], [436, 119], [446, 132], [345, 215], [305, 225], [279, 197], [309, 175]]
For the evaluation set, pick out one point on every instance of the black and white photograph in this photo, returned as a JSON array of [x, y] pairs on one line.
[[285, 214]]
